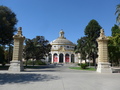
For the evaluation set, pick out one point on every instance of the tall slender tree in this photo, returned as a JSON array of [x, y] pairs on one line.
[[118, 13], [92, 32]]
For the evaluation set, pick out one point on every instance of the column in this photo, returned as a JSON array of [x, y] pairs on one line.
[[16, 64], [58, 58], [63, 58], [51, 57], [103, 63], [79, 58], [69, 58]]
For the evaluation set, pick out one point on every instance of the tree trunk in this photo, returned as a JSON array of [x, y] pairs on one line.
[[26, 62], [33, 62], [9, 53], [94, 60]]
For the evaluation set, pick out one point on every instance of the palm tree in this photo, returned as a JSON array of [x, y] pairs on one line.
[[118, 13]]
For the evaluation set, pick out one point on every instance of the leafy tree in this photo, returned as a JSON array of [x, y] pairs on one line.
[[113, 45], [114, 49], [28, 50], [92, 32], [81, 47], [115, 30], [7, 25], [87, 46], [42, 47], [36, 48], [118, 13]]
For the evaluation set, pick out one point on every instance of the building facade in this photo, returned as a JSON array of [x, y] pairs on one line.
[[62, 50]]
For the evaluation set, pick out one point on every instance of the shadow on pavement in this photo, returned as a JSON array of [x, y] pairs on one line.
[[25, 78]]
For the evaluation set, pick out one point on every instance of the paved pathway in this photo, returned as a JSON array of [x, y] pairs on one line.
[[58, 78]]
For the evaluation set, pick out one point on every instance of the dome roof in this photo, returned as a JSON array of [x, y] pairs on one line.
[[61, 39]]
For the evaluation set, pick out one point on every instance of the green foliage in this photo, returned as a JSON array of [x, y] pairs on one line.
[[83, 65], [92, 30], [78, 64], [114, 49], [36, 48], [37, 62], [81, 47], [28, 49], [7, 25], [118, 13], [115, 30], [87, 46], [88, 69]]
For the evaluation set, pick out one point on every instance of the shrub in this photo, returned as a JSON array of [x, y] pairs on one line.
[[37, 62], [83, 66], [78, 64]]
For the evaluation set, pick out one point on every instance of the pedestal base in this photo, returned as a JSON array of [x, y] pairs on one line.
[[104, 67], [16, 66]]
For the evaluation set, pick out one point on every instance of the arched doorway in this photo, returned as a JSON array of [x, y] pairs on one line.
[[55, 58], [61, 58], [66, 58], [72, 58]]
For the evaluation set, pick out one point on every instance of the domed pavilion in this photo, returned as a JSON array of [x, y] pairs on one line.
[[62, 50]]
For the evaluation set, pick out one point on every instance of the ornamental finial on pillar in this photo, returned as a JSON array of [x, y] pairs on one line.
[[102, 35], [19, 31]]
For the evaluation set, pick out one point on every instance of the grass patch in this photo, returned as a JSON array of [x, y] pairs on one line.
[[79, 68]]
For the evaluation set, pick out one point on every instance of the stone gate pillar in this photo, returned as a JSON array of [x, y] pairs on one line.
[[16, 64], [103, 63]]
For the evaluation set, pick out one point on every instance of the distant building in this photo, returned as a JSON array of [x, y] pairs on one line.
[[62, 50]]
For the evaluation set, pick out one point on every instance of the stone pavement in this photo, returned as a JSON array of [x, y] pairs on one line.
[[58, 78]]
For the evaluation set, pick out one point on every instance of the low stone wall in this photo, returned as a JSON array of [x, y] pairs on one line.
[[115, 70]]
